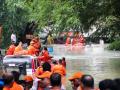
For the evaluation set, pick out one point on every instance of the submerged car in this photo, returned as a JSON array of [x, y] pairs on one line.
[[25, 64]]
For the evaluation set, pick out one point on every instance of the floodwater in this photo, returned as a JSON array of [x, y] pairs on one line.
[[94, 60]]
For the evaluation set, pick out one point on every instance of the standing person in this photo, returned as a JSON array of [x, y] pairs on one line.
[[11, 49], [1, 30], [28, 83], [107, 84], [64, 62], [10, 84], [45, 57], [18, 49], [87, 82], [55, 80], [8, 81], [13, 36], [44, 83], [75, 80], [16, 85]]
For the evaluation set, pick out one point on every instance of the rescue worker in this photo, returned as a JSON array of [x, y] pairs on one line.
[[37, 43], [67, 41], [45, 57], [50, 40], [45, 67], [10, 84], [44, 83], [75, 80], [55, 80], [11, 49], [59, 68], [31, 49], [28, 82], [18, 49]]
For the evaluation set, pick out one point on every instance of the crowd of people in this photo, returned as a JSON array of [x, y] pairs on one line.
[[50, 75], [53, 77]]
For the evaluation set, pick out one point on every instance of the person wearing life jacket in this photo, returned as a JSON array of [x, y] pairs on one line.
[[11, 49], [59, 68], [82, 40], [45, 55], [67, 41], [28, 82], [10, 84], [18, 49], [37, 43], [31, 49], [43, 68]]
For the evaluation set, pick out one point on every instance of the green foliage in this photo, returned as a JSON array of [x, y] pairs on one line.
[[61, 15], [115, 45]]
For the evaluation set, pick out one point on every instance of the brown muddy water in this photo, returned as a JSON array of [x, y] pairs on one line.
[[94, 60]]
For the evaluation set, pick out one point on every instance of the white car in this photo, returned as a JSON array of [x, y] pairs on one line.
[[26, 64]]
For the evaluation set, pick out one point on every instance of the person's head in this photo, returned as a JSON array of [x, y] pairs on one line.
[[55, 79], [12, 42], [16, 76], [63, 58], [54, 62], [45, 48], [117, 81], [28, 81], [8, 79], [75, 79], [44, 79], [46, 66], [87, 81], [20, 44], [107, 84], [60, 61]]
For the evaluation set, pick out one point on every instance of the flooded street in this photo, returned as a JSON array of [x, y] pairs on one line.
[[94, 60]]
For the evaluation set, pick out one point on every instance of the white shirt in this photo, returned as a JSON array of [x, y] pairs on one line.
[[13, 37]]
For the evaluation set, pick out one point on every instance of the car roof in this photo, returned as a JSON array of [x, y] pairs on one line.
[[18, 58]]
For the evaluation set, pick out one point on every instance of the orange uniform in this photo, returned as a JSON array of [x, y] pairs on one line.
[[59, 69], [45, 56], [38, 71], [31, 50], [11, 50], [67, 41], [18, 49], [14, 87]]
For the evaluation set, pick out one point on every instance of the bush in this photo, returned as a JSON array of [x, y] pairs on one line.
[[114, 45]]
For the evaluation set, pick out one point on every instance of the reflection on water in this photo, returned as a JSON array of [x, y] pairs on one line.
[[93, 60]]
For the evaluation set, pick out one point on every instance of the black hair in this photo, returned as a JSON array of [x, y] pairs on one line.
[[46, 66], [87, 81], [117, 81], [45, 48], [107, 84], [55, 79], [16, 76], [7, 78], [54, 62], [63, 58], [60, 61]]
